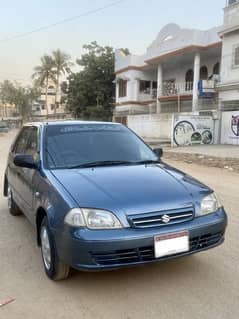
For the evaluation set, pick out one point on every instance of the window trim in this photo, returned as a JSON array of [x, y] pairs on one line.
[[235, 48], [29, 127], [122, 88], [14, 146]]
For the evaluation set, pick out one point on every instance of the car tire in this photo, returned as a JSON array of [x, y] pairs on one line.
[[12, 206], [54, 268]]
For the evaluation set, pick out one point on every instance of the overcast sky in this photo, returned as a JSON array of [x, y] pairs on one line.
[[132, 23]]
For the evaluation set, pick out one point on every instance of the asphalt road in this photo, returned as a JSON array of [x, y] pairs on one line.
[[202, 286]]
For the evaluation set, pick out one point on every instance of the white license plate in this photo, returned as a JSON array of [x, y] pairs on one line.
[[170, 244]]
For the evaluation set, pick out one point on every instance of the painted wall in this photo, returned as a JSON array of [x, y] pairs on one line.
[[230, 128], [229, 73], [151, 125]]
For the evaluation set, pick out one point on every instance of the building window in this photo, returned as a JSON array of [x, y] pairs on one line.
[[216, 68], [144, 87], [203, 73], [189, 80], [122, 88], [236, 56]]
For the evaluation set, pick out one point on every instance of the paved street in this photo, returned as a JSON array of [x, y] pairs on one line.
[[202, 286]]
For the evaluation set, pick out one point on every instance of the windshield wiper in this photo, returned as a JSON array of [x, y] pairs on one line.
[[100, 163], [147, 162]]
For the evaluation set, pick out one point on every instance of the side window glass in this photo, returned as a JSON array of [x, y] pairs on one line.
[[32, 144], [21, 142]]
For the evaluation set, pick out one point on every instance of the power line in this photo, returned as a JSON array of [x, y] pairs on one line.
[[63, 21]]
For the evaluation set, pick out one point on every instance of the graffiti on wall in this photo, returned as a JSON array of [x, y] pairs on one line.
[[189, 130], [235, 124], [230, 128]]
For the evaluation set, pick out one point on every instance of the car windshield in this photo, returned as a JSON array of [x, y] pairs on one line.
[[87, 145]]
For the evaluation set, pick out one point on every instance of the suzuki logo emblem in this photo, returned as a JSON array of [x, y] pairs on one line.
[[165, 219]]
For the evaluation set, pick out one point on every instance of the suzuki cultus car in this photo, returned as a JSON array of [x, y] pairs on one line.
[[100, 198]]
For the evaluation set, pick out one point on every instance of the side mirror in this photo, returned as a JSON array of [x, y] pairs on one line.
[[26, 161], [158, 152]]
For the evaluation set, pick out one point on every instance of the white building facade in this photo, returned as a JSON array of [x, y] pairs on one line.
[[165, 79], [229, 78], [51, 105], [184, 71]]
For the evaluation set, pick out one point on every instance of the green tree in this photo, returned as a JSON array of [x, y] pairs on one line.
[[43, 73], [7, 92], [24, 97], [62, 64], [90, 92], [19, 96]]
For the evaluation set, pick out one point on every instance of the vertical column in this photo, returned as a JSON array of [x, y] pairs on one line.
[[136, 90], [196, 78], [116, 91], [160, 87]]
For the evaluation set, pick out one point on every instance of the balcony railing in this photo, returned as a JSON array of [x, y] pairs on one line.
[[206, 88], [147, 95], [176, 88]]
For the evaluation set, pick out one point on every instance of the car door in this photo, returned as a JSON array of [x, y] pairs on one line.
[[27, 175], [13, 172]]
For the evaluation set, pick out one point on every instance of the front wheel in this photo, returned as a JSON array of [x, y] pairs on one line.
[[54, 268]]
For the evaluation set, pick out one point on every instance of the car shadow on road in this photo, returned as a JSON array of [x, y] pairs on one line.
[[165, 273]]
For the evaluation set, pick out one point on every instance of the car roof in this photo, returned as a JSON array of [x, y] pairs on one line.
[[67, 122]]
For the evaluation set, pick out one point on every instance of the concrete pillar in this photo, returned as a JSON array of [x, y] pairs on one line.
[[160, 87], [136, 90], [195, 81]]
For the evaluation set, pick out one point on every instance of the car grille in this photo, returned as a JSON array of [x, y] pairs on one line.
[[161, 218], [143, 254]]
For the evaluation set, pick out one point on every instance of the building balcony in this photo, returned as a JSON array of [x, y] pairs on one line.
[[176, 88], [148, 95], [50, 91]]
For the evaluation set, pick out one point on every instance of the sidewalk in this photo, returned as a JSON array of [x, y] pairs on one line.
[[222, 156]]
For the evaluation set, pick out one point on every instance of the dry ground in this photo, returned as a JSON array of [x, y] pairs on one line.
[[202, 286]]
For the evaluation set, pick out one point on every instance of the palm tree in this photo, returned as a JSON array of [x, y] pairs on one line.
[[43, 73], [62, 65]]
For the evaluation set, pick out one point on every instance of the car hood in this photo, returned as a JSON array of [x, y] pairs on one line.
[[130, 189]]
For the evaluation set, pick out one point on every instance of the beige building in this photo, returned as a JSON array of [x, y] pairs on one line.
[[7, 111], [52, 106]]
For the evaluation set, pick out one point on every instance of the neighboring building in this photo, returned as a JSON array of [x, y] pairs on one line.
[[8, 110], [177, 73], [185, 73], [41, 108], [229, 79]]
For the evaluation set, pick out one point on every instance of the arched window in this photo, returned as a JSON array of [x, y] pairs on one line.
[[189, 80], [216, 68], [203, 73]]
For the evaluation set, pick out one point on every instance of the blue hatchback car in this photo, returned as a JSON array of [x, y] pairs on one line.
[[100, 198]]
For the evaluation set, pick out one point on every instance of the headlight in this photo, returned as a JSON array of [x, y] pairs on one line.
[[92, 218], [210, 204]]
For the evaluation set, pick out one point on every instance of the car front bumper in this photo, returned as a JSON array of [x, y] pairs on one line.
[[94, 250]]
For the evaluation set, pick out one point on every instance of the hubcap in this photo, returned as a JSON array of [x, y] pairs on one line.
[[46, 248], [9, 198]]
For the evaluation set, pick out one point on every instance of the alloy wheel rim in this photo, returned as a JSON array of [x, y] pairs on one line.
[[9, 198], [46, 248]]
